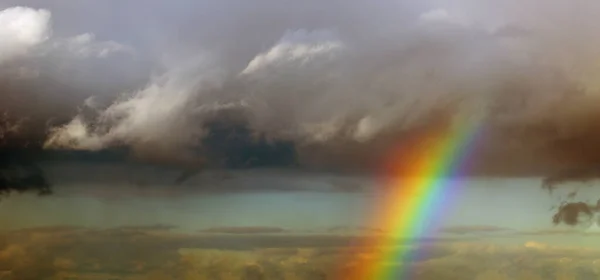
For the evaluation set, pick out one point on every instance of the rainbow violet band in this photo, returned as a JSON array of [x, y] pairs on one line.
[[425, 178]]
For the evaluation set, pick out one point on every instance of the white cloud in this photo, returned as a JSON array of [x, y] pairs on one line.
[[26, 33], [296, 47], [75, 135], [161, 115], [435, 15], [442, 16], [22, 28], [86, 46]]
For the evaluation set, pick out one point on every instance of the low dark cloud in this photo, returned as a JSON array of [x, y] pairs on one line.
[[244, 230], [474, 229], [29, 254], [18, 169], [227, 238], [553, 231], [573, 213], [57, 229], [355, 230], [151, 228]]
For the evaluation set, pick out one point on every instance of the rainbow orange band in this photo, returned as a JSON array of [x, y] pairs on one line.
[[427, 169]]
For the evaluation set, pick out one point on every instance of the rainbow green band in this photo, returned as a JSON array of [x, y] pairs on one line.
[[426, 179]]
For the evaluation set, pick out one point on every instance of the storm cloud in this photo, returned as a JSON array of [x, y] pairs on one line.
[[323, 85]]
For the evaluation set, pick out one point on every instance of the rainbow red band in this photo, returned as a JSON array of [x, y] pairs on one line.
[[427, 171]]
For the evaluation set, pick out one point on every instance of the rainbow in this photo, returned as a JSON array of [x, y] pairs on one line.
[[424, 181]]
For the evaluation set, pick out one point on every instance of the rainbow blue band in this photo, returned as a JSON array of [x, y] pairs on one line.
[[426, 172]]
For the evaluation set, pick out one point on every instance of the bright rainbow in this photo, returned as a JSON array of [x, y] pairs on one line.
[[425, 171]]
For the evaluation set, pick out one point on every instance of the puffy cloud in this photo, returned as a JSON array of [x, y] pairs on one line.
[[21, 29], [86, 45], [442, 16], [167, 104], [26, 32], [295, 48]]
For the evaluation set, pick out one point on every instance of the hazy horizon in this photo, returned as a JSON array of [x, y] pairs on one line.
[[125, 194]]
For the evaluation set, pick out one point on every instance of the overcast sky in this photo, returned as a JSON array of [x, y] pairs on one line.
[[330, 86], [345, 81]]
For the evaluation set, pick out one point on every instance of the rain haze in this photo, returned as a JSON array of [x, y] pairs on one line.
[[259, 139]]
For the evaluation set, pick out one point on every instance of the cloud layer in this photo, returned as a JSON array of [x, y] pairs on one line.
[[339, 95], [64, 251]]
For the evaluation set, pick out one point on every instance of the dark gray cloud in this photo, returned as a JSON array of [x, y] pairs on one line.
[[332, 84], [57, 229], [149, 228], [573, 213], [244, 230], [113, 181], [355, 230], [240, 240], [553, 231], [474, 229]]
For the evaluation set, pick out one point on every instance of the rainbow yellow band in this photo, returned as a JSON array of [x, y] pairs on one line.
[[426, 173]]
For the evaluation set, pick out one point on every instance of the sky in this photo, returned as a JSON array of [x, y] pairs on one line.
[[267, 133], [342, 82], [292, 200], [302, 101]]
